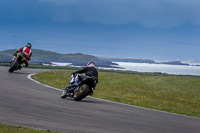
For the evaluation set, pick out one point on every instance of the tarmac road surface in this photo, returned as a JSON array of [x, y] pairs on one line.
[[26, 103]]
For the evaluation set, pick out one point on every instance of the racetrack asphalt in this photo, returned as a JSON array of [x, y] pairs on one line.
[[29, 104]]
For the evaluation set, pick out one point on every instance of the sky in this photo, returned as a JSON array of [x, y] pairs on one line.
[[150, 29]]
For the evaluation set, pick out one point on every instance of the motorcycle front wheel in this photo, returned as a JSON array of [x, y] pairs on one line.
[[82, 93], [13, 65]]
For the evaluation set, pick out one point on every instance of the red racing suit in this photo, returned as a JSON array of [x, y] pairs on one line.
[[27, 51]]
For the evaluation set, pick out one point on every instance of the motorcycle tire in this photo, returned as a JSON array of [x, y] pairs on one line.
[[82, 93], [13, 66]]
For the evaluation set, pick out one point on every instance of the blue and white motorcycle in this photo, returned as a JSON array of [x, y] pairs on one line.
[[79, 87]]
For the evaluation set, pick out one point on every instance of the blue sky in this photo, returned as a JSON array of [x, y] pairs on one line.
[[150, 29]]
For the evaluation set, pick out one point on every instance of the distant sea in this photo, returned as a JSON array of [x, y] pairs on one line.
[[145, 67], [163, 68]]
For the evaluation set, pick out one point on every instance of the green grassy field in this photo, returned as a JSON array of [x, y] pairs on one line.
[[18, 129], [176, 94]]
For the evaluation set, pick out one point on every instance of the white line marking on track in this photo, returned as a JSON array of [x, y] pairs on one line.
[[30, 77]]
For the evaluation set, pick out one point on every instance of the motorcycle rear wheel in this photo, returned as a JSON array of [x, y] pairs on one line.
[[82, 93]]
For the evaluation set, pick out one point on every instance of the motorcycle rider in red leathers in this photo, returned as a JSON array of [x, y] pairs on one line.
[[26, 52]]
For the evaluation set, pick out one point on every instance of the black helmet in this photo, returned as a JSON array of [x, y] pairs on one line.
[[28, 45], [90, 64]]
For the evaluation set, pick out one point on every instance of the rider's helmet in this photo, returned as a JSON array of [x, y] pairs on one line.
[[28, 45], [90, 64]]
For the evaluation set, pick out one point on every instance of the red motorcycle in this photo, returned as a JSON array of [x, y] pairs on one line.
[[17, 62]]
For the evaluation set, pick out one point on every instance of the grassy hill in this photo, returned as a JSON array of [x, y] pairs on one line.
[[135, 60], [139, 60], [42, 56]]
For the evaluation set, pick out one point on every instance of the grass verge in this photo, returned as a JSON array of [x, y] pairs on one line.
[[18, 129], [176, 94]]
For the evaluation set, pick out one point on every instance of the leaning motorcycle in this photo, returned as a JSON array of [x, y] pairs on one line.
[[17, 61], [79, 87]]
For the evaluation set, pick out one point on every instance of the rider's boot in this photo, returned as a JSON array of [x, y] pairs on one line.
[[93, 89]]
